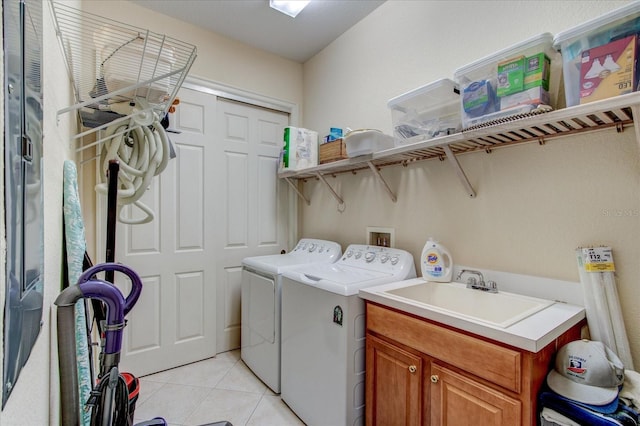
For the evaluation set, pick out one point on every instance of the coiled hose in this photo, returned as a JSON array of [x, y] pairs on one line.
[[143, 152]]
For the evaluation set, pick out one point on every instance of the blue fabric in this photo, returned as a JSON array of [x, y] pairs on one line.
[[622, 416], [76, 247]]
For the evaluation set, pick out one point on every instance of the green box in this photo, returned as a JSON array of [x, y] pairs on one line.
[[511, 76], [537, 71]]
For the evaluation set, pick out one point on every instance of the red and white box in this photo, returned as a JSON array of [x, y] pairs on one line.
[[608, 70]]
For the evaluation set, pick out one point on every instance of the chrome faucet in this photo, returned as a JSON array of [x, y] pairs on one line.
[[478, 283]]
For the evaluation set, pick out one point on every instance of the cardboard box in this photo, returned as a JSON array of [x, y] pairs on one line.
[[608, 70], [333, 151], [510, 76], [533, 96], [535, 84], [537, 70]]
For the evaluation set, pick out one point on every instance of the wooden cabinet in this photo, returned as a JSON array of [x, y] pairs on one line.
[[396, 384], [425, 373], [460, 400]]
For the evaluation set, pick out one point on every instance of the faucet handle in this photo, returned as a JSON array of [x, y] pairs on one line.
[[471, 282], [492, 286]]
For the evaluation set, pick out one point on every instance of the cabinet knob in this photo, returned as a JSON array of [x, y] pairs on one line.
[[434, 378], [412, 368]]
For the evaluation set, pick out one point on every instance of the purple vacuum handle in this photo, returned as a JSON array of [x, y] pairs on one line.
[[136, 283], [113, 298]]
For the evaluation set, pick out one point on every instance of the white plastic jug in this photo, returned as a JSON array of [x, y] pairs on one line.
[[436, 262]]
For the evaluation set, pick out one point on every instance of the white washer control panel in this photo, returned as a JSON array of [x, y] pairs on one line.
[[377, 258], [319, 247]]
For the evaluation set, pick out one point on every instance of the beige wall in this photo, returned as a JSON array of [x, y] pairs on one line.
[[535, 204], [35, 400]]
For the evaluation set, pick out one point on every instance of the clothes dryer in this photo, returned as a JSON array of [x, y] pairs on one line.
[[323, 332], [260, 304]]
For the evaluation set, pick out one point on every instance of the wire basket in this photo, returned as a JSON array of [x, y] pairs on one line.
[[117, 69]]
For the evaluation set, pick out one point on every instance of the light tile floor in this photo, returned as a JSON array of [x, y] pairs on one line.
[[220, 388]]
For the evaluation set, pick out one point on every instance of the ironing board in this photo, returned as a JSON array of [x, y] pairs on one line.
[[76, 247]]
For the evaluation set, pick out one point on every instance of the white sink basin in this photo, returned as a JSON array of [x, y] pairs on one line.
[[498, 309]]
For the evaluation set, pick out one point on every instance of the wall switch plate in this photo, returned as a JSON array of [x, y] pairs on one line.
[[381, 236]]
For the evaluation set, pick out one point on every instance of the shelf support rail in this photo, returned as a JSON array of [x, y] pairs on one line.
[[376, 172], [335, 195], [635, 110], [295, 188], [461, 175]]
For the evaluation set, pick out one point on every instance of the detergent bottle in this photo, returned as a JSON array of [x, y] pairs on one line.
[[436, 262]]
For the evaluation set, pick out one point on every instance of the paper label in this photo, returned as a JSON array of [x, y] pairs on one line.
[[598, 259]]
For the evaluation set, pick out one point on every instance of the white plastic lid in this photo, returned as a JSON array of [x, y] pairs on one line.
[[625, 13], [527, 47], [440, 91]]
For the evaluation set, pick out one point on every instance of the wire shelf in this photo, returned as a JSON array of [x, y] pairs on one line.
[[118, 70], [616, 113]]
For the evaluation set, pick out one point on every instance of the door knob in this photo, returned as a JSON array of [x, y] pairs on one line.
[[434, 379], [412, 368]]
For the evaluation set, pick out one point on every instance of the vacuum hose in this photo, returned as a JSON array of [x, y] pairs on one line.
[[143, 151]]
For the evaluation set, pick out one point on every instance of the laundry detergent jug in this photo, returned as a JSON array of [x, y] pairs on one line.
[[436, 262]]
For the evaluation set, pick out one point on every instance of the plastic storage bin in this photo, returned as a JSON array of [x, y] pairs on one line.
[[516, 80], [431, 110], [367, 141], [577, 44]]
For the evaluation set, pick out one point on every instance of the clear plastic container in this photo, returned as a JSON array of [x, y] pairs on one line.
[[432, 110], [513, 81], [612, 26], [366, 141]]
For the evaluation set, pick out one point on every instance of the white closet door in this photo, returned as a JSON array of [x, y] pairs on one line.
[[217, 202], [173, 322], [251, 202]]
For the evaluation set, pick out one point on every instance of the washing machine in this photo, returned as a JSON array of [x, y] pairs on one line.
[[260, 304], [323, 332]]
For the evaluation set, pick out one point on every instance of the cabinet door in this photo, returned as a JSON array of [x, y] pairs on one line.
[[394, 385], [457, 400]]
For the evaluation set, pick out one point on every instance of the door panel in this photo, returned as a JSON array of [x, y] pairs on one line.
[[255, 212], [236, 196], [394, 384], [457, 400], [173, 322]]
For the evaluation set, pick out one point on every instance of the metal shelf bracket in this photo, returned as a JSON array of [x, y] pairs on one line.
[[461, 175], [335, 195], [300, 194], [376, 172]]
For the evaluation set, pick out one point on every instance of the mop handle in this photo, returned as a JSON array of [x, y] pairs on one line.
[[136, 283]]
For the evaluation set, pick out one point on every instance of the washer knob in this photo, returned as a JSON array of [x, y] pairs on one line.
[[369, 257], [384, 258], [394, 260], [358, 255], [312, 247], [349, 253]]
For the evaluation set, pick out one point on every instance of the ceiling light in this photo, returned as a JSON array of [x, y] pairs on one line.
[[289, 7]]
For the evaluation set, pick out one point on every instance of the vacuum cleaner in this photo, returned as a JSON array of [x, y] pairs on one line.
[[112, 400]]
